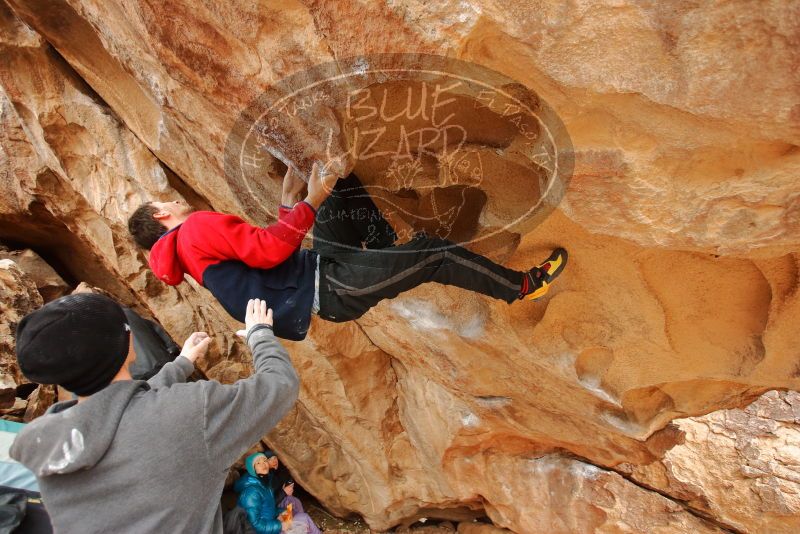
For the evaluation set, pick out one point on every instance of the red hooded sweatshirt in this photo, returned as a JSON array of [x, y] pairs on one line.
[[237, 261]]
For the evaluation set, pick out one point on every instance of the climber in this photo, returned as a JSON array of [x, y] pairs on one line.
[[257, 497], [115, 459], [337, 279]]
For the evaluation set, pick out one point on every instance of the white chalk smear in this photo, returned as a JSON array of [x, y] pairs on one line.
[[71, 450]]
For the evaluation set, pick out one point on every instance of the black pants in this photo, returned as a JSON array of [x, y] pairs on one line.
[[354, 279]]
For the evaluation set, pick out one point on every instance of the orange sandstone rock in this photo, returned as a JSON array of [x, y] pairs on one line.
[[681, 219]]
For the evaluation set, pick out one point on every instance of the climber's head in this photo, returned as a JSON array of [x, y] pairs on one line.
[[152, 219]]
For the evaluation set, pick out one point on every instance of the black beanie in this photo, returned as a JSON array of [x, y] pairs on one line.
[[79, 342]]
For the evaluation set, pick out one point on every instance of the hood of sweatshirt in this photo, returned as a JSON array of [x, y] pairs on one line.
[[72, 436], [164, 260]]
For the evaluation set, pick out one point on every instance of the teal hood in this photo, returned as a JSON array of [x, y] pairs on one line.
[[250, 460]]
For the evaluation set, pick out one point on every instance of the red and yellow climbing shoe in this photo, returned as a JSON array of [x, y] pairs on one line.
[[537, 281]]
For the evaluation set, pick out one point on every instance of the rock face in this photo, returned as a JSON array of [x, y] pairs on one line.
[[469, 528], [39, 401], [682, 219], [20, 294], [558, 494], [48, 282], [741, 466], [18, 297]]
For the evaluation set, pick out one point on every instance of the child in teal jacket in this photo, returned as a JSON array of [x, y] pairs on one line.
[[256, 497]]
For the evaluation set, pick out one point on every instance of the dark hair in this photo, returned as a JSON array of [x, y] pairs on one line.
[[144, 228]]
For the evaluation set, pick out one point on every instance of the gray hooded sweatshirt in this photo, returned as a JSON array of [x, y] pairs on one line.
[[152, 456]]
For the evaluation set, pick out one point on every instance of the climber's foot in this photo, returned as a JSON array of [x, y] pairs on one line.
[[538, 279]]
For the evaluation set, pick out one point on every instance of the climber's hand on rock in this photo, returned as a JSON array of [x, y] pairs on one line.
[[257, 313], [293, 187], [320, 185], [196, 346]]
